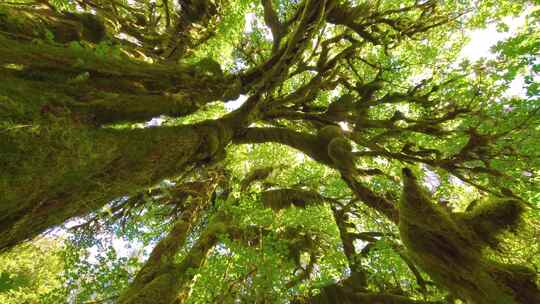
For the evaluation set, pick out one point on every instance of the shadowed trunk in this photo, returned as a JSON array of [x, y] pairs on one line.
[[58, 171], [100, 89], [450, 251], [162, 278]]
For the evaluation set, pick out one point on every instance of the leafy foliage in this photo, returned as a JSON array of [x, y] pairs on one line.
[[180, 149]]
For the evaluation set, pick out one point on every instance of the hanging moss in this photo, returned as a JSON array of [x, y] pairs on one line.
[[278, 199], [257, 174], [490, 218]]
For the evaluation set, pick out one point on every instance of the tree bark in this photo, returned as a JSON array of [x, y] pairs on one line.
[[161, 279], [54, 174], [48, 181], [311, 145], [101, 89]]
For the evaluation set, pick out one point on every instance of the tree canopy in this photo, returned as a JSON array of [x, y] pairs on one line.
[[268, 151]]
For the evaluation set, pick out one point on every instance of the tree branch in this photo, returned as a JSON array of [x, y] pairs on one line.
[[272, 21]]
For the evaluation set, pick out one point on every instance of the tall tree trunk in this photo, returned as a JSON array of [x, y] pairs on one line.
[[52, 175], [59, 170], [161, 279], [102, 88]]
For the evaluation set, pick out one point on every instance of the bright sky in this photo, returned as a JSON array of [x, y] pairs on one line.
[[481, 42], [235, 104]]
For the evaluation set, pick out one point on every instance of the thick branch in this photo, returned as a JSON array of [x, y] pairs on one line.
[[272, 21], [108, 90], [79, 178], [345, 294], [311, 146]]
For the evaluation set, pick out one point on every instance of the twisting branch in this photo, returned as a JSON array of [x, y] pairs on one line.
[[272, 21], [310, 145]]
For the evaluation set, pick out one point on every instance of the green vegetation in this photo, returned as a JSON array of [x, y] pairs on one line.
[[31, 271], [269, 151]]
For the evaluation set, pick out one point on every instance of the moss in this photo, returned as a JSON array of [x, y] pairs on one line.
[[257, 174], [161, 290], [47, 25], [25, 100], [234, 90], [56, 164], [450, 249], [490, 218], [45, 163], [215, 136], [60, 170], [16, 21], [520, 280], [327, 133], [91, 27], [278, 199], [30, 154]]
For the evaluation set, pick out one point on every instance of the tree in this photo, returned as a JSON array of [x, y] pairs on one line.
[[362, 88]]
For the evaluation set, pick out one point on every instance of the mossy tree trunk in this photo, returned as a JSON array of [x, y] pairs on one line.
[[451, 251], [98, 89], [61, 160], [61, 163], [163, 277], [57, 172], [57, 159]]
